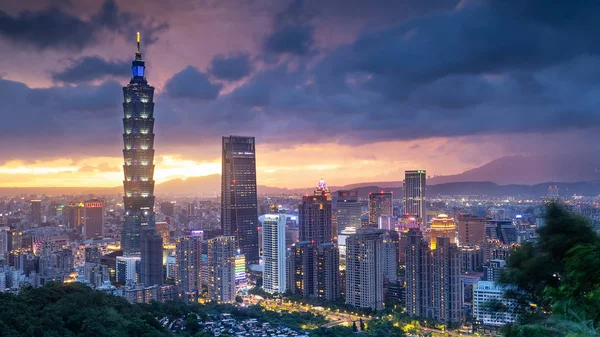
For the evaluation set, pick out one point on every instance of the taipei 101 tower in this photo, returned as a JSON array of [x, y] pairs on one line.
[[138, 154]]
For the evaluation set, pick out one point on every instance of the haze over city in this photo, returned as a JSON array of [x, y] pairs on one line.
[[356, 91]]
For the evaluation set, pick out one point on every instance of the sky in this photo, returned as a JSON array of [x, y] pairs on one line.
[[351, 90]]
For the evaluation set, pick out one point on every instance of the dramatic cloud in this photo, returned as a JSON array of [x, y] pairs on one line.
[[230, 68], [91, 68], [192, 84], [296, 40], [53, 28]]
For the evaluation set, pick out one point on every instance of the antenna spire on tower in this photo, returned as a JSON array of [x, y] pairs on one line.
[[138, 42]]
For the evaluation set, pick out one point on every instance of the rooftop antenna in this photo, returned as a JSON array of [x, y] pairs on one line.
[[138, 42]]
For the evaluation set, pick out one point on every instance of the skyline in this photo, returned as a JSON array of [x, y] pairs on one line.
[[323, 94]]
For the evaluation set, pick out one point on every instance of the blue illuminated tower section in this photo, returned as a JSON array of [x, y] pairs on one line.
[[138, 155]]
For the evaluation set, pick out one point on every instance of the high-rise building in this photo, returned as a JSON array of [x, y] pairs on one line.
[[240, 270], [274, 253], [36, 212], [491, 271], [364, 268], [301, 269], [414, 194], [326, 272], [446, 286], [347, 210], [74, 216], [239, 214], [93, 223], [151, 267], [433, 283], [128, 269], [442, 226], [4, 241], [486, 292], [163, 229], [188, 252], [167, 208], [380, 204], [92, 255], [138, 155], [221, 269], [471, 229], [391, 241], [472, 258], [314, 216]]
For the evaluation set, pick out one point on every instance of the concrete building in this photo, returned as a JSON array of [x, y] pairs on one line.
[[93, 222], [442, 226], [221, 269], [446, 285], [274, 253], [491, 271], [314, 216], [471, 229], [128, 269], [380, 204], [301, 269], [347, 210], [326, 272], [364, 268], [414, 200], [417, 273], [486, 292], [188, 259], [151, 262]]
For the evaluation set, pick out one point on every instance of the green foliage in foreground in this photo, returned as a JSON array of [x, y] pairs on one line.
[[556, 280], [77, 310]]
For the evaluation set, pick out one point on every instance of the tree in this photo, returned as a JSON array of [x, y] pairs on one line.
[[362, 325], [354, 328]]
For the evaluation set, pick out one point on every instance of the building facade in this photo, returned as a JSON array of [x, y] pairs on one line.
[[239, 214], [274, 253], [138, 155], [326, 272], [347, 210], [221, 269], [471, 229], [414, 200], [151, 267], [93, 223], [188, 259], [441, 226], [380, 204]]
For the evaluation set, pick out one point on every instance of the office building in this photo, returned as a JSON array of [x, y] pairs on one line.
[[110, 260], [274, 253], [501, 229], [167, 208], [221, 269], [138, 156], [36, 212], [239, 214], [472, 259], [188, 255], [415, 201], [92, 254], [380, 204], [326, 272], [347, 210], [240, 270], [151, 267], [471, 229], [93, 222], [4, 242], [442, 226], [390, 256], [416, 274], [301, 269], [128, 269], [314, 216], [364, 269], [74, 217], [483, 294]]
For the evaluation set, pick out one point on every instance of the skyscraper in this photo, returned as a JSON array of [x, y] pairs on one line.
[[36, 212], [326, 272], [274, 253], [151, 266], [414, 194], [347, 210], [93, 219], [239, 214], [417, 273], [380, 204], [138, 155], [301, 269], [221, 269], [188, 252], [442, 226], [75, 217], [471, 229], [364, 268], [314, 217]]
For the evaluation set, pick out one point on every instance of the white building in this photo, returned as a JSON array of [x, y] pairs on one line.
[[274, 253], [483, 293], [364, 268], [127, 269]]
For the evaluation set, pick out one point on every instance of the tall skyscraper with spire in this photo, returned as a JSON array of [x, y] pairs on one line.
[[138, 155]]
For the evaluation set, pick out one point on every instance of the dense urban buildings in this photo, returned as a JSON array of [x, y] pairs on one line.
[[221, 269], [274, 253], [347, 212], [364, 268], [415, 202], [138, 155], [239, 215], [93, 223], [380, 204]]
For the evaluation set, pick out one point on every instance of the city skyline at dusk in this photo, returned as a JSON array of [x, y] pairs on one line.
[[356, 93]]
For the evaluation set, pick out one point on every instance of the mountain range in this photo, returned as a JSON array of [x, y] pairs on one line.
[[512, 175]]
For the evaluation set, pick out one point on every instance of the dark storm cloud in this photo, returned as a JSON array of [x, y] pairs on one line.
[[190, 83], [297, 40], [231, 67], [91, 68], [53, 28]]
